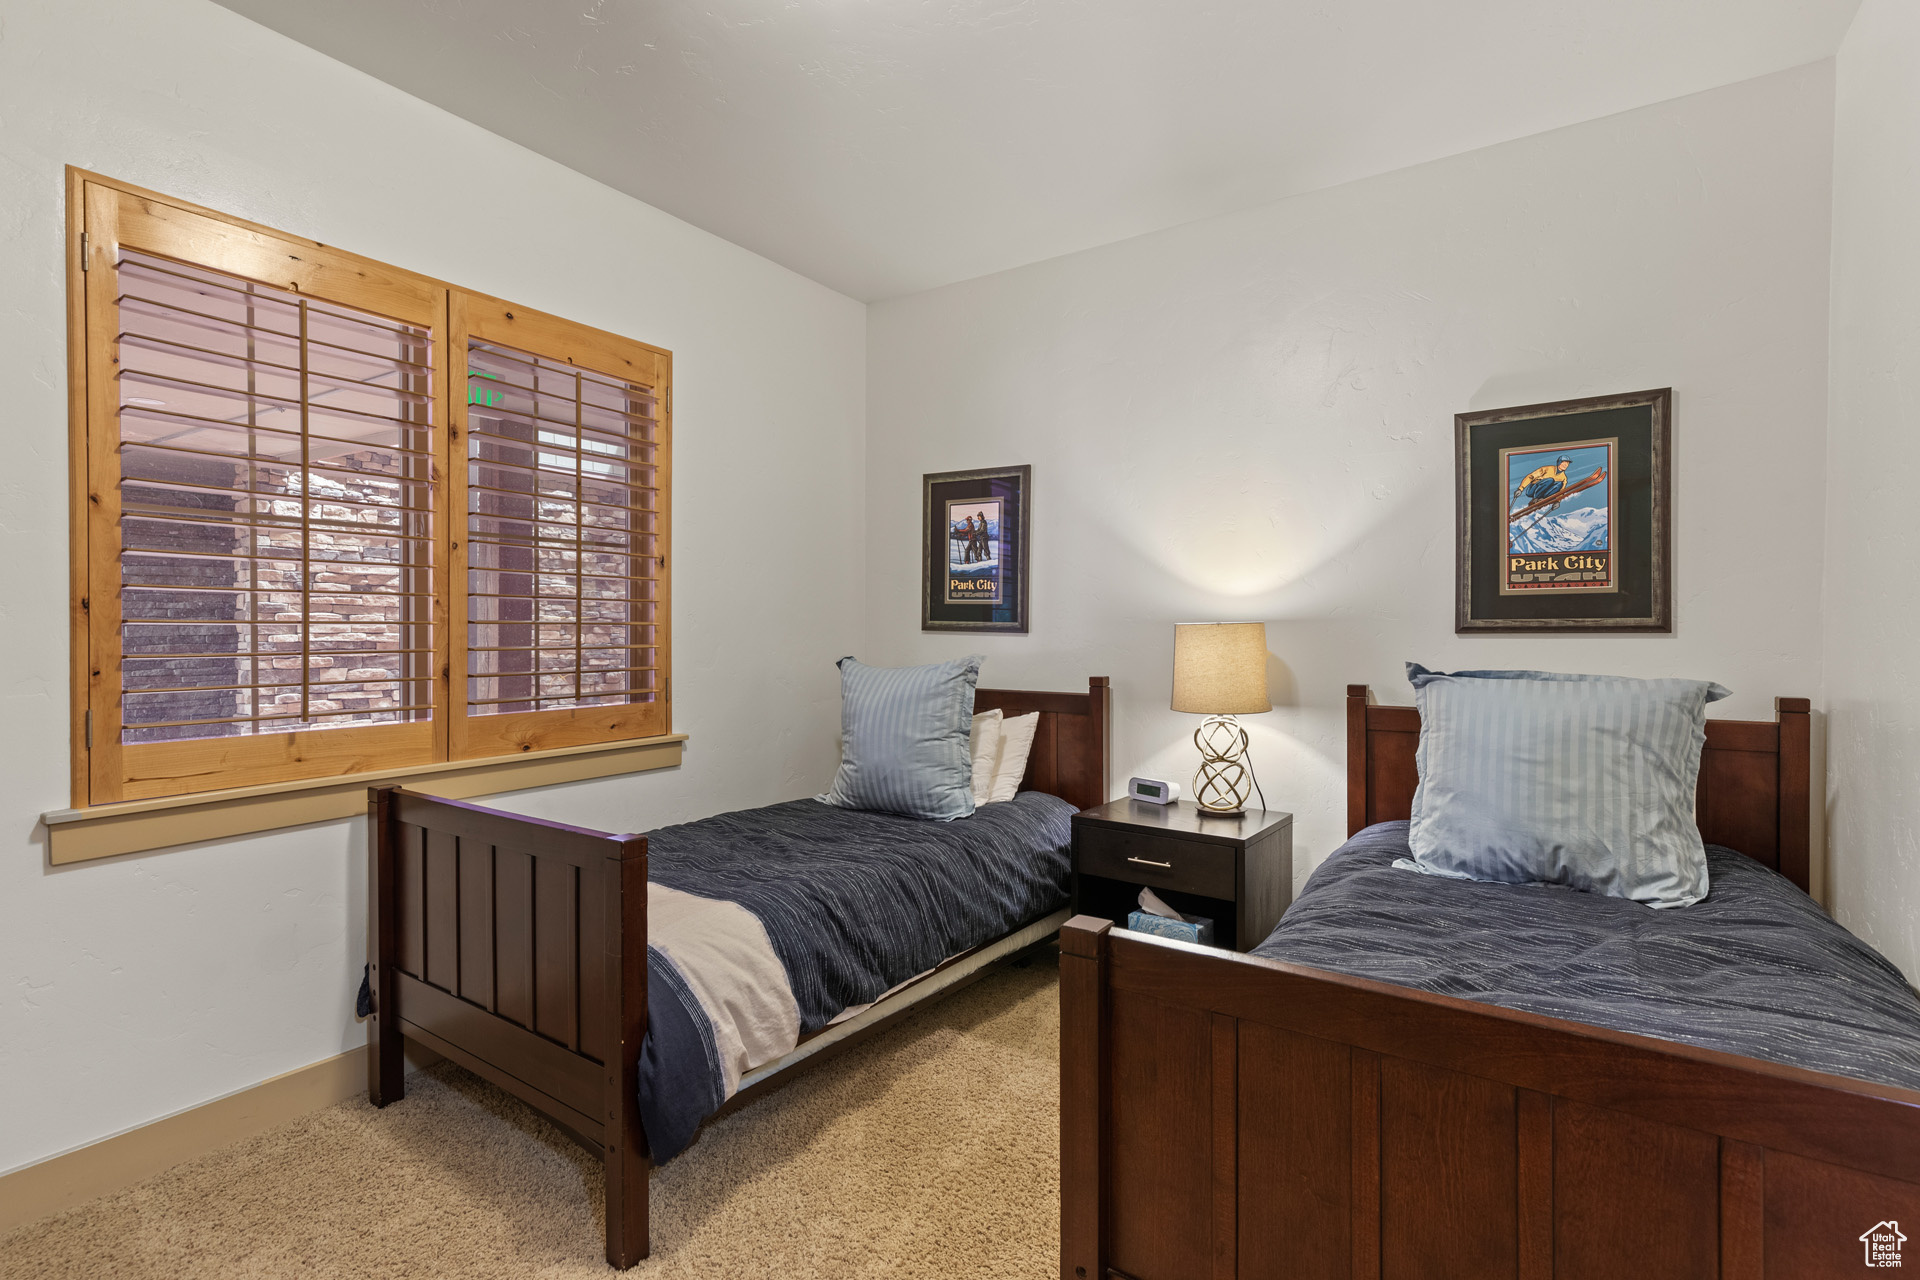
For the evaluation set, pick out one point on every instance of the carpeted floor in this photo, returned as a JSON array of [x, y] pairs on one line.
[[930, 1151]]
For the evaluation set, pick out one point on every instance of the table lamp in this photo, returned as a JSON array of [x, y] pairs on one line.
[[1220, 671]]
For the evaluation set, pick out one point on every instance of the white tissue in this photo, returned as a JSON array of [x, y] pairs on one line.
[[1151, 904]]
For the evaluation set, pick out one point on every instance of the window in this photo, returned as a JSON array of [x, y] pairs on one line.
[[336, 518], [563, 558]]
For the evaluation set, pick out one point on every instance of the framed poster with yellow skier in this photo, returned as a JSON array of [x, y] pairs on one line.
[[1564, 517]]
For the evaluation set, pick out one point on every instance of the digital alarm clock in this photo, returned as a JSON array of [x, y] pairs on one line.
[[1153, 791]]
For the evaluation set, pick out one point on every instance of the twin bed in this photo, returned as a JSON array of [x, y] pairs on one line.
[[1410, 1077], [1626, 1092], [629, 988]]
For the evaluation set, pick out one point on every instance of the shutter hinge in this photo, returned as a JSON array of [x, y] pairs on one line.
[[669, 688], [84, 255], [669, 401], [89, 730]]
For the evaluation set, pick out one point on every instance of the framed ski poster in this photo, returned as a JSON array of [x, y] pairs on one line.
[[973, 562], [1563, 516]]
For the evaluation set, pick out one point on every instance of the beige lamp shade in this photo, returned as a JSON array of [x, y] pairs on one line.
[[1220, 668]]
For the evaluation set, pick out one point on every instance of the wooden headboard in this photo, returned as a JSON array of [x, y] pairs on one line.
[[1070, 748], [1755, 777]]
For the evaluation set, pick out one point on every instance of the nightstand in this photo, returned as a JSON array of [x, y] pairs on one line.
[[1237, 869]]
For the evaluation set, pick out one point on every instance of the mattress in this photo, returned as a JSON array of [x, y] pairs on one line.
[[766, 924], [1756, 969]]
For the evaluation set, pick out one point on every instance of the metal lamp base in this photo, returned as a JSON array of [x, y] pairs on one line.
[[1224, 781]]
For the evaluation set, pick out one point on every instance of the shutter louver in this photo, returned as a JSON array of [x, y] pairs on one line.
[[276, 539], [563, 539]]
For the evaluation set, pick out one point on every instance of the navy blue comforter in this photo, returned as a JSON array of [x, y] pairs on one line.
[[853, 902], [1756, 969]]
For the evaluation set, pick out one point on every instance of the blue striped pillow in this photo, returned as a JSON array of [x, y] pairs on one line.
[[905, 739], [1586, 781]]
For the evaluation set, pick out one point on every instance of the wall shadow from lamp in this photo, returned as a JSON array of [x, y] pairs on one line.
[[1220, 672], [1282, 691]]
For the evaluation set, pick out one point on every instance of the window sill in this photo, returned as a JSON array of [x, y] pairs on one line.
[[105, 831]]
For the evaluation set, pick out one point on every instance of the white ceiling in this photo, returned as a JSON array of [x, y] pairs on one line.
[[888, 146]]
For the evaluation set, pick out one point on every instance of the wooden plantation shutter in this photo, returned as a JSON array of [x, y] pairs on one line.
[[262, 459], [565, 435], [333, 518]]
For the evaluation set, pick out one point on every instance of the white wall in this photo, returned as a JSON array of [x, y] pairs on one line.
[[1251, 417], [1872, 603], [137, 987]]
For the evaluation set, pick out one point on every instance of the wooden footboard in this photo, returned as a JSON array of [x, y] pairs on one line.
[[1227, 1116], [517, 948]]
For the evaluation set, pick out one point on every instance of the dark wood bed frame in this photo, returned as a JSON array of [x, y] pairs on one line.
[[1226, 1116], [518, 948]]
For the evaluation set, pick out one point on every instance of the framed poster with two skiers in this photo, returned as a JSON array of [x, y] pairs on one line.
[[1564, 516], [973, 562]]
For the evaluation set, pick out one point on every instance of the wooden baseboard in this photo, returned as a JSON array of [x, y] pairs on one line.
[[63, 1181]]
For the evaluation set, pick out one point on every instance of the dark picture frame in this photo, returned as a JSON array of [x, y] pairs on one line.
[[975, 527], [1563, 515]]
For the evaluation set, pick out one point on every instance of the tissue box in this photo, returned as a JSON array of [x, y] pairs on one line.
[[1200, 930]]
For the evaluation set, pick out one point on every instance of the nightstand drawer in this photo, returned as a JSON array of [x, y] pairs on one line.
[[1162, 862]]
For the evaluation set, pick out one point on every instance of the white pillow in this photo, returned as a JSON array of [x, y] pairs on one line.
[[984, 744], [1016, 743]]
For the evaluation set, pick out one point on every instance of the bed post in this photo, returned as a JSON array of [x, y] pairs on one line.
[[625, 1146], [386, 1072], [1358, 696], [1100, 711], [1083, 1098], [1796, 770]]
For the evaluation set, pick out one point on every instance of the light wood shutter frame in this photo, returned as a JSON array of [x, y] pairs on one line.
[[474, 317], [117, 771], [112, 775]]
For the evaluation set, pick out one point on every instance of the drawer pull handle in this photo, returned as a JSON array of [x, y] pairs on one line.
[[1149, 862]]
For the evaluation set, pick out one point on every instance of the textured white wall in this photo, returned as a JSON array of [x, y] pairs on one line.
[[1251, 418], [1872, 604], [137, 987]]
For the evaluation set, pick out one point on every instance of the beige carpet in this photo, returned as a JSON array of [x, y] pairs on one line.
[[931, 1151]]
